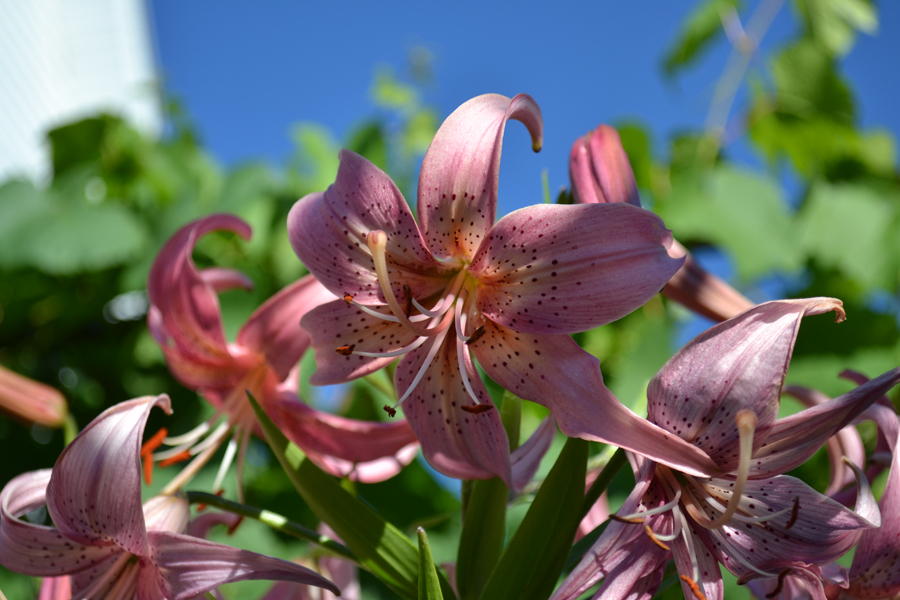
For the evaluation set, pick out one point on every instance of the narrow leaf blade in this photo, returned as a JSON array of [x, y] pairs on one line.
[[429, 584]]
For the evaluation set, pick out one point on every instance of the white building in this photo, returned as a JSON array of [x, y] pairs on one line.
[[61, 60]]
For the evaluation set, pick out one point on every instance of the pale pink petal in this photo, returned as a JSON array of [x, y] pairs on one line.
[[562, 269], [55, 588], [348, 439], [37, 549], [875, 572], [794, 439], [221, 279], [527, 458], [460, 172], [328, 232], [203, 523], [187, 304], [94, 494], [531, 366], [273, 330], [599, 169], [708, 569], [192, 566], [30, 400], [455, 442], [337, 324], [701, 291], [736, 365], [846, 442], [802, 582], [373, 471]]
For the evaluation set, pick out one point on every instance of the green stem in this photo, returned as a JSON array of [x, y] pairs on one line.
[[273, 520], [615, 464]]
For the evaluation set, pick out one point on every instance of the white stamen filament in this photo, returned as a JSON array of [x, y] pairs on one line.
[[393, 353], [435, 346], [437, 311], [191, 436], [463, 372], [655, 511], [125, 587], [746, 424], [213, 439], [689, 542], [195, 465], [230, 451], [709, 499]]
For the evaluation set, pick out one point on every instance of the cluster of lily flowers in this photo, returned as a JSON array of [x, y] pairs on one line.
[[456, 288]]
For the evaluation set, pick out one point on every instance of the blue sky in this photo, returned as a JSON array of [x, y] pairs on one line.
[[246, 74]]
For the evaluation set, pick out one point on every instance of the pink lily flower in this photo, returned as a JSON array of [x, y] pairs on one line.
[[457, 286], [185, 320], [721, 393], [30, 400], [600, 173], [109, 545]]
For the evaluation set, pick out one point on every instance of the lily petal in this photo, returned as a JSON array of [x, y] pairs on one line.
[[373, 471], [527, 458], [794, 439], [456, 443], [741, 365], [545, 269], [328, 232], [37, 549], [187, 304], [273, 330], [94, 494], [528, 366], [708, 569], [221, 279], [192, 566], [334, 325], [55, 588], [460, 172]]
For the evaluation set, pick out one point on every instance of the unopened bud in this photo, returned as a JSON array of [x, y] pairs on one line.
[[30, 400], [600, 171]]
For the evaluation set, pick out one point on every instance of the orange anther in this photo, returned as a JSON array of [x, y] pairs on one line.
[[636, 521], [348, 298], [477, 409], [694, 587], [345, 350], [173, 460], [154, 442], [653, 537]]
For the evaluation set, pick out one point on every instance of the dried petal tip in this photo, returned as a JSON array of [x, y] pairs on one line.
[[30, 400]]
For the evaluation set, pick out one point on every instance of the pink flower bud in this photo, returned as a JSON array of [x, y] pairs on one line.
[[31, 401], [600, 171]]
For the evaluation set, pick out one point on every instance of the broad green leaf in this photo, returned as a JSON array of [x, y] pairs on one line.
[[483, 533], [699, 30], [834, 23], [381, 547], [850, 228], [534, 558], [738, 210], [429, 584], [808, 84]]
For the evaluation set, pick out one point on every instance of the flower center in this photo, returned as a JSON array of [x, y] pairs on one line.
[[455, 307]]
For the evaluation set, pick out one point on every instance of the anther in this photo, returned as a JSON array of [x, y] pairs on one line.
[[237, 523], [348, 298], [694, 587], [174, 460], [147, 452], [653, 538], [407, 295], [390, 411], [476, 335], [345, 350], [477, 409], [795, 512], [777, 590], [632, 521]]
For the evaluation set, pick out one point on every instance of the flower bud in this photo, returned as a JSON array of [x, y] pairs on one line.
[[167, 513], [30, 400], [600, 171]]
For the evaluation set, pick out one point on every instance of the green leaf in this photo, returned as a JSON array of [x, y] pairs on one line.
[[834, 23], [534, 558], [808, 83], [701, 28], [381, 547], [738, 210], [429, 584], [483, 533], [849, 228]]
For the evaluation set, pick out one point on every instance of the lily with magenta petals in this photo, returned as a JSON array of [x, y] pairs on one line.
[[721, 394], [457, 286], [185, 320], [600, 173], [109, 545]]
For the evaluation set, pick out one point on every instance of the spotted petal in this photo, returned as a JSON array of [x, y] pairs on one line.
[[328, 232], [529, 366], [736, 365], [461, 170], [37, 549], [191, 566], [457, 443], [94, 494], [562, 269]]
